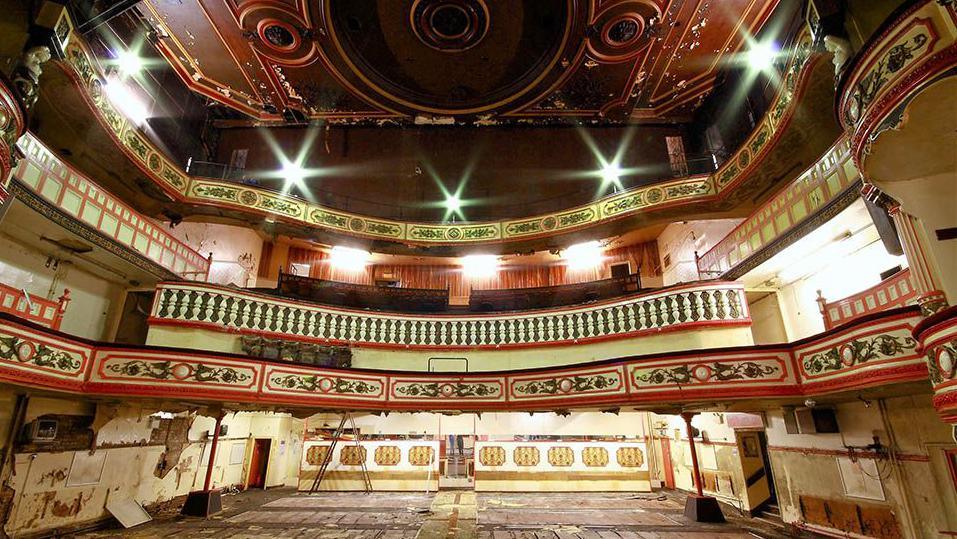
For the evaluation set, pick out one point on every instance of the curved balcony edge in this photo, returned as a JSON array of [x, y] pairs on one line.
[[937, 337], [874, 351], [224, 309], [913, 48], [81, 67]]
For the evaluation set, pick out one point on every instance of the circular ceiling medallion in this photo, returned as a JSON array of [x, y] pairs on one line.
[[278, 35], [452, 57], [450, 25], [622, 31]]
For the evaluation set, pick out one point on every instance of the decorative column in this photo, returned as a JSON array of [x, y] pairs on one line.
[[699, 507], [923, 267], [206, 502]]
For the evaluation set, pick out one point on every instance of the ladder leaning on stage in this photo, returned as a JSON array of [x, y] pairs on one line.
[[327, 458]]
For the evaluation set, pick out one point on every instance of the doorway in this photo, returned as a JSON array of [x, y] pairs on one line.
[[756, 466], [457, 464], [259, 463]]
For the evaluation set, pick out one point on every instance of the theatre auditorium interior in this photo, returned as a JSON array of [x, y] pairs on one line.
[[493, 269]]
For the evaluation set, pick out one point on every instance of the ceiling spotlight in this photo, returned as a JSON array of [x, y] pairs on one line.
[[293, 173], [480, 266], [453, 203], [611, 173], [349, 259], [583, 255], [761, 55], [129, 63]]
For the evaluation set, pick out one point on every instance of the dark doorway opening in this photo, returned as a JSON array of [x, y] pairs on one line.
[[259, 463]]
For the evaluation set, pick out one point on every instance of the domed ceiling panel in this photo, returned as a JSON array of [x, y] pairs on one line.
[[442, 61]]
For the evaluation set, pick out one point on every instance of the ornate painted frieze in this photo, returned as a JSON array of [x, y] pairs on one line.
[[876, 350], [322, 384], [149, 368], [419, 389], [227, 309], [179, 185], [937, 338], [885, 345], [707, 372], [895, 65]]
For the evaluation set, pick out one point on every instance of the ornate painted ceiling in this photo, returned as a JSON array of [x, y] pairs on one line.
[[473, 60]]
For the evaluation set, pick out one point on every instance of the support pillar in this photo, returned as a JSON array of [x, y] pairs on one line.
[[923, 267], [206, 502], [699, 507]]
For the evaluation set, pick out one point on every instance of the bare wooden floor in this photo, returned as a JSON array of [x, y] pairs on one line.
[[446, 515]]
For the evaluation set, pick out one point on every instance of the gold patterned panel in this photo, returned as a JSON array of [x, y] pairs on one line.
[[630, 457], [492, 456], [352, 455], [387, 455], [561, 456], [595, 457], [421, 455], [316, 454], [526, 456]]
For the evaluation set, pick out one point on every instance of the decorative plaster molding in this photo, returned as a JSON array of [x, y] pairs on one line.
[[32, 356], [82, 66]]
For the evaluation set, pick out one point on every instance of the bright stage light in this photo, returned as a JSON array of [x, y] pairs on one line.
[[349, 259], [480, 266], [453, 203], [293, 173], [129, 63], [611, 173], [761, 56], [583, 255]]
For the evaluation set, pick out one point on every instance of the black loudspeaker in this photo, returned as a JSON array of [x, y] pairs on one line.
[[885, 227]]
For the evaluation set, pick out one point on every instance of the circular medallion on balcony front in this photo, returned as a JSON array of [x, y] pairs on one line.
[[181, 371], [945, 361], [447, 390], [565, 385], [454, 233], [326, 385], [26, 351], [356, 224], [847, 355], [701, 373], [248, 198], [654, 195]]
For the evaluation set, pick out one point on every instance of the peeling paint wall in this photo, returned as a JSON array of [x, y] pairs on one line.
[[62, 484], [919, 493]]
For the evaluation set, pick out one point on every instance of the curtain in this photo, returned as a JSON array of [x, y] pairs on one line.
[[643, 256]]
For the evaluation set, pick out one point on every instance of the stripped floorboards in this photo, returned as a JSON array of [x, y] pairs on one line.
[[445, 515]]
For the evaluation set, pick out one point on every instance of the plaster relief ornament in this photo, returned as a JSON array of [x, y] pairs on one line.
[[26, 78]]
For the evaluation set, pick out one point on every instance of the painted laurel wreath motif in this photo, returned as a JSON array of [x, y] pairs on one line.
[[722, 372], [164, 370], [857, 352], [40, 355], [324, 384], [942, 362], [570, 384], [447, 390], [868, 87]]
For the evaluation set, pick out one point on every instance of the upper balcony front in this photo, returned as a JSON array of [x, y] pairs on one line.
[[428, 189]]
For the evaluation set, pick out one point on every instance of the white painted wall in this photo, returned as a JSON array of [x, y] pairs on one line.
[[680, 240], [94, 298]]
